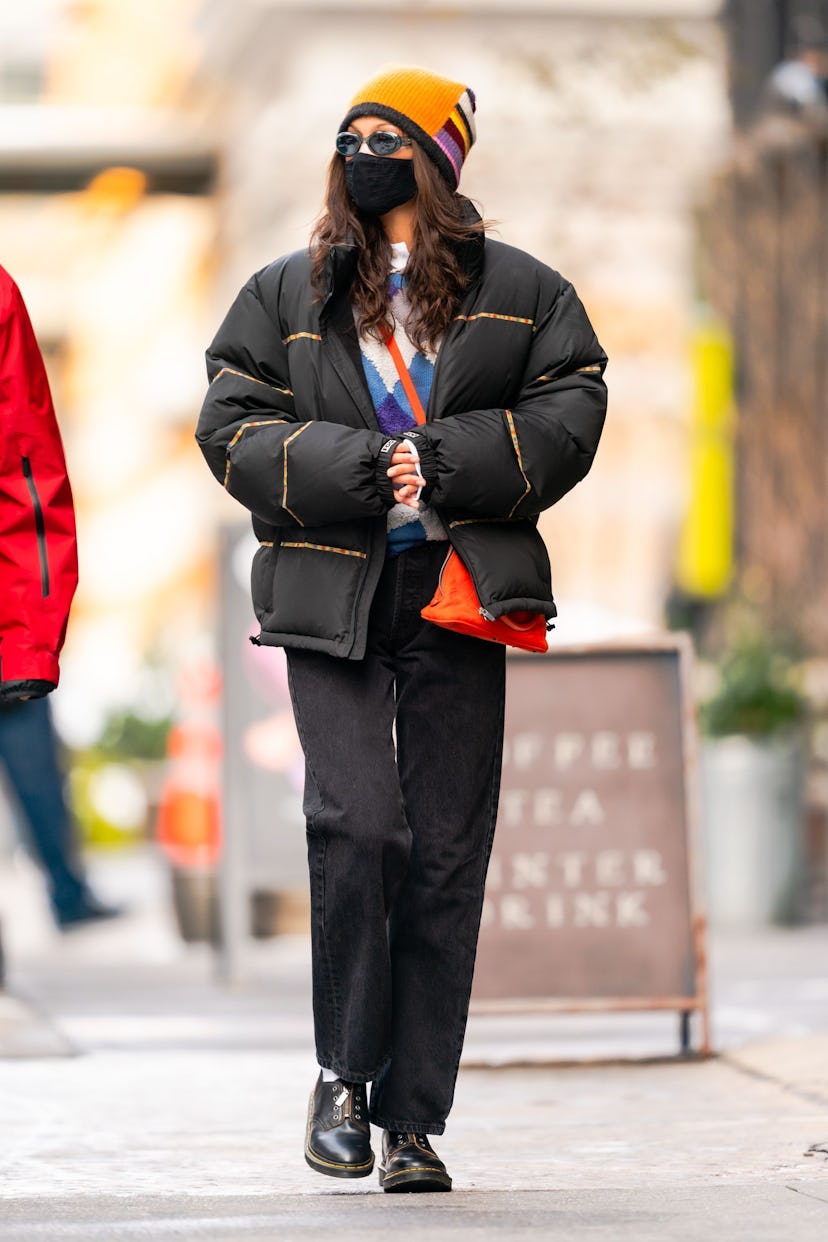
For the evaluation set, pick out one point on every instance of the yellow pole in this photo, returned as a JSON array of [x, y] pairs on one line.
[[705, 554]]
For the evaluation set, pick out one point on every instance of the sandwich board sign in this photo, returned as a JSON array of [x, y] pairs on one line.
[[591, 900]]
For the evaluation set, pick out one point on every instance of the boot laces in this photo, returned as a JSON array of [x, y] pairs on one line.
[[399, 1138], [350, 1092]]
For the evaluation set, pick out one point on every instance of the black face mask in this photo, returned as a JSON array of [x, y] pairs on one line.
[[378, 183]]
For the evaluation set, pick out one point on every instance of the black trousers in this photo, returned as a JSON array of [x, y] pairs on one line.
[[399, 838], [29, 751]]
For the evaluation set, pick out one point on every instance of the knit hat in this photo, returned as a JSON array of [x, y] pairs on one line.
[[437, 113]]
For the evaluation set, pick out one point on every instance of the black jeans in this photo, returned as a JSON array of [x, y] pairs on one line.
[[399, 840]]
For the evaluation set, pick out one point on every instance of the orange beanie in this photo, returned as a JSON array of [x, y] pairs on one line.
[[436, 112]]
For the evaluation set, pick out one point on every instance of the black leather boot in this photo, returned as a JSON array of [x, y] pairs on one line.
[[409, 1162], [338, 1138]]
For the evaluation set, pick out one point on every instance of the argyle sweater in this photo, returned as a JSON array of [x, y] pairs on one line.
[[407, 527]]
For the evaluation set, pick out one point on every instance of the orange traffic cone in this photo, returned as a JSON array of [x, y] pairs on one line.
[[189, 817]]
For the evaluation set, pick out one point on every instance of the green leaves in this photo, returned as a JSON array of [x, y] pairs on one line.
[[757, 692]]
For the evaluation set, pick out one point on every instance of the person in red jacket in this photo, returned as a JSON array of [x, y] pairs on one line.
[[38, 549], [38, 577]]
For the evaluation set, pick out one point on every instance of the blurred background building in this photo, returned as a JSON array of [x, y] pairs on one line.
[[153, 153], [107, 224], [763, 247]]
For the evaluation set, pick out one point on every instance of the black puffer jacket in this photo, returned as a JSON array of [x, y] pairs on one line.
[[288, 427]]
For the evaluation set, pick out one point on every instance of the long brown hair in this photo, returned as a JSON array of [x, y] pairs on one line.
[[435, 279]]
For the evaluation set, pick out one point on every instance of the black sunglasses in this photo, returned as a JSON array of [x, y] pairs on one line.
[[381, 142]]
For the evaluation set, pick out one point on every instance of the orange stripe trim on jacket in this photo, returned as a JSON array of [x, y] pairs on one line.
[[288, 441], [516, 445], [492, 315], [301, 336], [323, 547], [265, 422], [242, 375]]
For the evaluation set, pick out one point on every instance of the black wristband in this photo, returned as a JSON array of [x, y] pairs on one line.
[[384, 485]]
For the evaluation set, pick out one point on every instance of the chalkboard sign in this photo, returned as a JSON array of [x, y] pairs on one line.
[[590, 898]]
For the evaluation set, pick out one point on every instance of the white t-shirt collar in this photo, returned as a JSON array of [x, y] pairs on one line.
[[399, 256]]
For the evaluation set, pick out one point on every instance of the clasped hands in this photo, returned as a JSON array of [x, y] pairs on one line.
[[404, 473]]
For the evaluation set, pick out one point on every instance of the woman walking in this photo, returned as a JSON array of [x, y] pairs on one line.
[[404, 386]]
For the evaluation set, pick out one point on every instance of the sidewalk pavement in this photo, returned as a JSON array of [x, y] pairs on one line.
[[179, 1111]]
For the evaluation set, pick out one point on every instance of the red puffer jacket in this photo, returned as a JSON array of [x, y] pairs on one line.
[[38, 551]]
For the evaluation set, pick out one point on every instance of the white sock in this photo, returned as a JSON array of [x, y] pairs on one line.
[[329, 1075]]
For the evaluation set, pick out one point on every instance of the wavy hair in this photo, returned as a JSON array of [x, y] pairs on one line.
[[435, 279]]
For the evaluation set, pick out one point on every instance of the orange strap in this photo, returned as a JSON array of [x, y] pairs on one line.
[[407, 383]]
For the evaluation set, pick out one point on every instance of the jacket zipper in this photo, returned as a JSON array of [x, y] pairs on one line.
[[487, 616], [443, 567], [40, 526]]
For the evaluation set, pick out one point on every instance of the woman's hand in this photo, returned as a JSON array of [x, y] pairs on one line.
[[404, 473]]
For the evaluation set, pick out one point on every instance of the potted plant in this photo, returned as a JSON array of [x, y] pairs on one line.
[[753, 773]]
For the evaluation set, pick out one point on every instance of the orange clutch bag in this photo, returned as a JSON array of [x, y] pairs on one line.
[[455, 606]]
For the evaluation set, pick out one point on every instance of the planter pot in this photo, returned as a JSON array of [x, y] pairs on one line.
[[754, 829]]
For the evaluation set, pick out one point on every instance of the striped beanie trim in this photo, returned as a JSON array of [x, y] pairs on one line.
[[436, 112]]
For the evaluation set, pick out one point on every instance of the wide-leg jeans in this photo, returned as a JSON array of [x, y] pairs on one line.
[[402, 775]]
